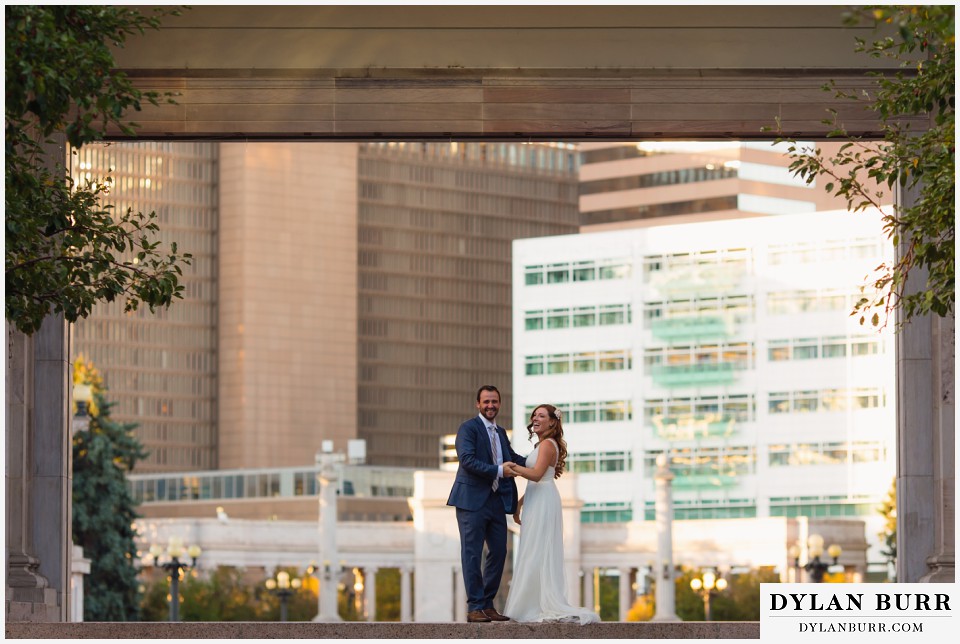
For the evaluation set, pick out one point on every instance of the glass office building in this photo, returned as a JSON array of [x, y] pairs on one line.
[[161, 367], [435, 224]]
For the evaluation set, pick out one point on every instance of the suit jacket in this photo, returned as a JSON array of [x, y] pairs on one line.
[[478, 468]]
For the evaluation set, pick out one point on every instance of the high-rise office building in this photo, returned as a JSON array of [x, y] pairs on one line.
[[382, 264], [346, 291], [161, 367], [653, 183], [728, 346], [435, 225], [288, 301]]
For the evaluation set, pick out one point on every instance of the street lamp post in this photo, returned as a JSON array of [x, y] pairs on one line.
[[174, 567], [814, 566], [284, 588], [706, 586]]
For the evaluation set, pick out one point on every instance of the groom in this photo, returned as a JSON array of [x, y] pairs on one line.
[[484, 494]]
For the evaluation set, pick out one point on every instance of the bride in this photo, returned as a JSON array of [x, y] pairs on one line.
[[538, 589]]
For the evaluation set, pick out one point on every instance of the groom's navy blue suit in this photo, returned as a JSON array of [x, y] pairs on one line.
[[481, 512]]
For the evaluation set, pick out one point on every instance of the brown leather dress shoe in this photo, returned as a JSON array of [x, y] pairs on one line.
[[494, 615], [477, 616]]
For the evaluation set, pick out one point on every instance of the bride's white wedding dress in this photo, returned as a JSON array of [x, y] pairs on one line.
[[538, 590]]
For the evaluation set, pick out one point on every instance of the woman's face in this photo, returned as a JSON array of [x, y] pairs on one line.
[[542, 423]]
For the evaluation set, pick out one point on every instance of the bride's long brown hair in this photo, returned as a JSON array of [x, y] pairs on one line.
[[556, 434]]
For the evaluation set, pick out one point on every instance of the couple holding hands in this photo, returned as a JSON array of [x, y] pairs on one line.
[[484, 492]]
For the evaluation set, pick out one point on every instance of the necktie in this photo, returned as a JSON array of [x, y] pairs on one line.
[[493, 446]]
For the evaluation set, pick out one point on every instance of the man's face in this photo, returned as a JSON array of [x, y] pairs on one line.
[[489, 404]]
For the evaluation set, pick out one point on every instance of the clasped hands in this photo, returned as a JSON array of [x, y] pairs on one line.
[[509, 471]]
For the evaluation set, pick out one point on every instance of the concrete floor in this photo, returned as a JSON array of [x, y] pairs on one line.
[[383, 630]]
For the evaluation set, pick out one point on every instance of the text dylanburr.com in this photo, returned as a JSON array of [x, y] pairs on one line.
[[856, 612]]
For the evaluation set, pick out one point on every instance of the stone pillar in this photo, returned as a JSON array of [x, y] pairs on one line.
[[588, 600], [925, 442], [459, 596], [568, 487], [329, 571], [370, 590], [436, 549], [626, 596], [38, 473], [405, 607], [38, 461], [666, 592], [80, 567], [53, 457]]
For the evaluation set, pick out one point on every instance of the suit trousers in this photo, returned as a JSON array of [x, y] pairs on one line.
[[486, 525]]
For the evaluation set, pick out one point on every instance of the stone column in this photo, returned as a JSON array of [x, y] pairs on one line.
[[588, 601], [925, 442], [568, 486], [436, 547], [53, 457], [329, 571], [370, 590], [626, 596], [38, 475], [666, 592], [405, 595], [459, 596], [80, 567], [38, 461]]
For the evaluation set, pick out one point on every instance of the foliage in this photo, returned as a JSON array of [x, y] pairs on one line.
[[347, 599], [923, 45], [739, 602], [154, 606], [221, 597], [642, 610], [609, 597], [889, 533], [689, 604], [224, 595], [64, 250], [301, 605], [388, 595], [85, 373], [104, 509]]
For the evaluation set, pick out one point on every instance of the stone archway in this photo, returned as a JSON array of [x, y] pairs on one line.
[[493, 73]]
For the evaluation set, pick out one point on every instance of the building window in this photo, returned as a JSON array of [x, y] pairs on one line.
[[834, 347], [779, 403], [533, 275], [578, 272], [585, 316], [584, 363], [834, 400], [579, 317], [806, 401], [558, 319], [558, 275], [805, 349], [584, 274], [534, 365], [581, 363], [558, 364]]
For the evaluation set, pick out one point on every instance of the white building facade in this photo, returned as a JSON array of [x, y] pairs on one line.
[[728, 345]]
